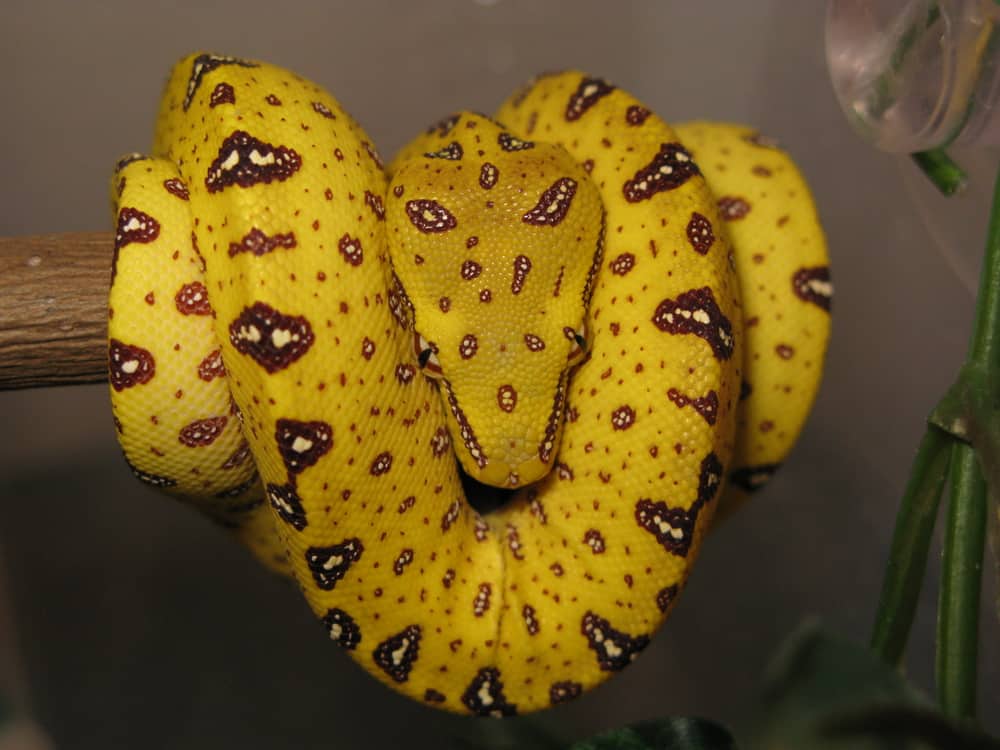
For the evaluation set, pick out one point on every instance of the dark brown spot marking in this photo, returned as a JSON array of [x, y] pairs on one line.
[[440, 442], [177, 188], [222, 94], [204, 64], [586, 96], [533, 342], [665, 597], [133, 226], [514, 542], [709, 479], [403, 559], [553, 204], [246, 161], [752, 478], [271, 339], [452, 152], [238, 457], [258, 243], [465, 429], [564, 691], [615, 650], [699, 233], [522, 264], [593, 539], [707, 406], [202, 432], [288, 505], [672, 527], [128, 365], [153, 480], [696, 312], [433, 696], [324, 110], [636, 115], [669, 169], [468, 346], [530, 619], [449, 518], [444, 126], [509, 142], [488, 175], [374, 202], [481, 604], [381, 465], [506, 398], [622, 264], [623, 417], [302, 444], [430, 216], [784, 351], [763, 141], [471, 270], [396, 654], [484, 695], [329, 564], [732, 208], [813, 285], [212, 367], [192, 299], [342, 628], [350, 248]]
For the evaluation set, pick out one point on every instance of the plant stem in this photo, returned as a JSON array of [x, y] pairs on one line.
[[942, 170], [911, 541], [958, 608], [985, 345]]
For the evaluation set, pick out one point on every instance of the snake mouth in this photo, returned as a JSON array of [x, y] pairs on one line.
[[484, 498]]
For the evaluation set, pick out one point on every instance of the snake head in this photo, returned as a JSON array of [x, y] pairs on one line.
[[496, 241]]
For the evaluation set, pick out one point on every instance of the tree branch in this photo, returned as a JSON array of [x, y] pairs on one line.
[[53, 309]]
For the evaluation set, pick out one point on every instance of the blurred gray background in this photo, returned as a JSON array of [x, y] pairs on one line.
[[127, 621]]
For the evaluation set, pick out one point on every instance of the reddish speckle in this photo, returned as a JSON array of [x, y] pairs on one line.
[[732, 208]]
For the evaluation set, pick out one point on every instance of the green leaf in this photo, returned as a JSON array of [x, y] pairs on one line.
[[825, 693], [677, 733]]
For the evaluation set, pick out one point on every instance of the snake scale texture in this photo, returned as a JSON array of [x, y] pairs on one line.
[[616, 325]]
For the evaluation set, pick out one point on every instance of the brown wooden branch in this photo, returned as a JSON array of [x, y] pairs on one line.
[[53, 309]]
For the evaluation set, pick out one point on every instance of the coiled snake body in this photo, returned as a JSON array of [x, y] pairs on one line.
[[301, 343]]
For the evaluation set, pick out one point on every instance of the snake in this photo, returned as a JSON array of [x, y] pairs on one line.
[[614, 326]]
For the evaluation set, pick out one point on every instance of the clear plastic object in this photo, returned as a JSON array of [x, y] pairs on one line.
[[913, 75]]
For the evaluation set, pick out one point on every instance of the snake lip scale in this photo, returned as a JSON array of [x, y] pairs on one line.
[[616, 326]]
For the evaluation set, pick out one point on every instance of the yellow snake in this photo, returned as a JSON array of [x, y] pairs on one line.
[[604, 317]]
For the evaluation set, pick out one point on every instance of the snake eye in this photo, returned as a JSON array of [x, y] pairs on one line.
[[578, 339], [426, 352]]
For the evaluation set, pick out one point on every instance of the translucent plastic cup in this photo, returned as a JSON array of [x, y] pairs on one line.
[[913, 75]]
